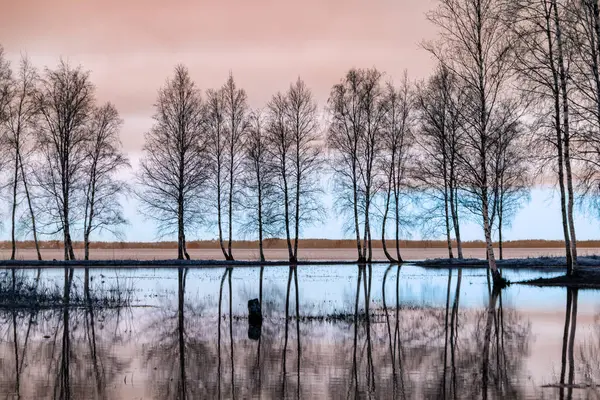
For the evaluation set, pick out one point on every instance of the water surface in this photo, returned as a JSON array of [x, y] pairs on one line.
[[328, 332]]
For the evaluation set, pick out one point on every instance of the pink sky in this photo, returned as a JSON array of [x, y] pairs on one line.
[[132, 46]]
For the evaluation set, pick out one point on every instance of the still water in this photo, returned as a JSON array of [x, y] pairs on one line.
[[328, 332]]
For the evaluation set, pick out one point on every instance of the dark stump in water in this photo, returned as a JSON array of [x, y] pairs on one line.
[[254, 312], [254, 319], [254, 331]]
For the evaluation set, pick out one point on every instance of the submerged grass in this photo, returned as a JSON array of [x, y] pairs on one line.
[[21, 291]]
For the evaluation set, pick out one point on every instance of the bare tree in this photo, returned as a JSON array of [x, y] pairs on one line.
[[543, 71], [306, 158], [397, 143], [563, 75], [21, 119], [258, 182], [104, 160], [296, 159], [358, 112], [477, 49], [173, 171], [65, 100], [235, 110], [439, 141], [217, 155]]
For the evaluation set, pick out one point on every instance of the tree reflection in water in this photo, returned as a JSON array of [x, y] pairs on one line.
[[179, 357], [488, 361], [292, 273], [54, 340], [195, 346]]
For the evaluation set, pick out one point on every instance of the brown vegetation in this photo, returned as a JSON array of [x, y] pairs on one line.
[[303, 243]]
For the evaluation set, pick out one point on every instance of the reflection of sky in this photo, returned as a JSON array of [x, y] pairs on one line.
[[329, 289]]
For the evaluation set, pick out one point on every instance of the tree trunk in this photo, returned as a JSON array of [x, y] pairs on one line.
[[219, 216], [455, 221], [500, 214], [488, 240], [447, 221], [68, 244], [500, 250], [71, 250], [361, 258], [14, 206], [297, 199], [566, 135], [260, 221], [559, 140], [571, 204], [287, 211], [397, 224], [69, 253], [385, 214], [367, 229], [180, 231], [230, 201], [86, 246], [88, 226], [370, 242], [30, 205], [185, 252]]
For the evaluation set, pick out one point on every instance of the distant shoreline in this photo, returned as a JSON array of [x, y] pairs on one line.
[[303, 244]]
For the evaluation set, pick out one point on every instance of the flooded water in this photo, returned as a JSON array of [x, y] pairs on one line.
[[327, 332]]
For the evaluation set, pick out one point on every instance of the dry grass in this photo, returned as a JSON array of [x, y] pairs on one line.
[[304, 243]]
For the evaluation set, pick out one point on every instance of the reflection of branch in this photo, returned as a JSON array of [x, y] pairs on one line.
[[231, 335], [227, 274], [397, 334], [65, 388], [219, 331], [92, 335], [568, 344], [389, 330], [287, 322], [355, 343], [260, 302], [181, 277], [367, 287], [454, 330], [299, 348], [491, 312], [446, 333]]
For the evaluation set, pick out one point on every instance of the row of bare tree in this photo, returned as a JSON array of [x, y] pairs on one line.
[[61, 153], [211, 161], [515, 97], [528, 95]]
